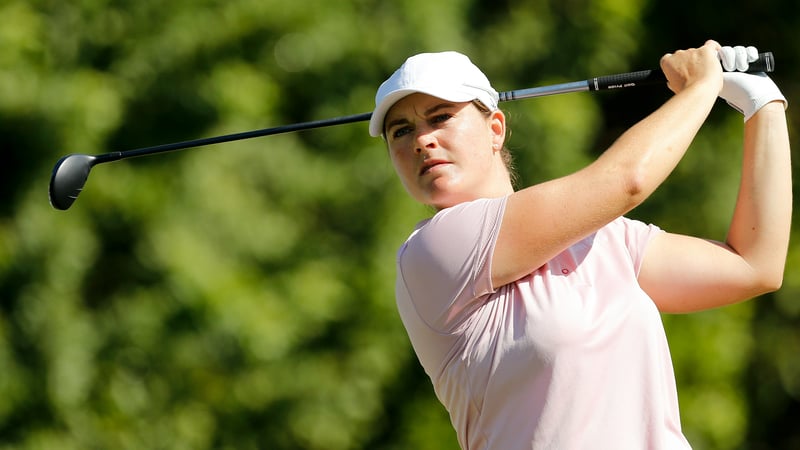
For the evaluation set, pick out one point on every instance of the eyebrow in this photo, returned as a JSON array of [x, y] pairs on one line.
[[427, 112]]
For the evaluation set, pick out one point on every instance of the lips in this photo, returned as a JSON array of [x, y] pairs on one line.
[[430, 164]]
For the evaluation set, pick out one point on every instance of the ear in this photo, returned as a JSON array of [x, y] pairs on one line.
[[497, 128]]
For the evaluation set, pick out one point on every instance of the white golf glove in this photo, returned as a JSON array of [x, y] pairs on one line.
[[746, 92]]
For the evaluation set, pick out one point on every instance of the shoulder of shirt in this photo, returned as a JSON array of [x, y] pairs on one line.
[[459, 208], [443, 214]]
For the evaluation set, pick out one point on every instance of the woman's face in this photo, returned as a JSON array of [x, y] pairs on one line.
[[445, 153]]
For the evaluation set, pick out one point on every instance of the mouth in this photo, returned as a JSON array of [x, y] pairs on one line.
[[429, 165]]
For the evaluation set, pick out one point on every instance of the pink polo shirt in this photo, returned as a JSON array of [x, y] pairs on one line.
[[572, 356]]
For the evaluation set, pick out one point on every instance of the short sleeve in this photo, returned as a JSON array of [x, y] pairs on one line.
[[637, 236], [445, 265]]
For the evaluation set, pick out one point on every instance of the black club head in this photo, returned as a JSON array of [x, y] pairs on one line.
[[69, 175]]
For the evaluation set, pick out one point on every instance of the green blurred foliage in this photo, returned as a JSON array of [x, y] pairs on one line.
[[242, 297]]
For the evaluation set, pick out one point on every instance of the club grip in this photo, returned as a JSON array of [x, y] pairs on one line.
[[764, 63]]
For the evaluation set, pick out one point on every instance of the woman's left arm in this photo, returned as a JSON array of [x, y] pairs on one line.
[[684, 274]]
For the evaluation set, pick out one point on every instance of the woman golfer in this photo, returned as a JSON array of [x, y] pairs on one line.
[[536, 312]]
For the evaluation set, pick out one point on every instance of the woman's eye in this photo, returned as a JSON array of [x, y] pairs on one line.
[[441, 118], [400, 132]]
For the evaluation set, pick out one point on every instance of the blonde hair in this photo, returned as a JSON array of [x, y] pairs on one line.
[[505, 153]]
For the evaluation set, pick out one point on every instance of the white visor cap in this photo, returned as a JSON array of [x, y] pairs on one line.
[[449, 76]]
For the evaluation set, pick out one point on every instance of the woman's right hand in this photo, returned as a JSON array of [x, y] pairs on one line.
[[685, 68]]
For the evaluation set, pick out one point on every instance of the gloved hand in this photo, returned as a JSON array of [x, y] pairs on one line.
[[746, 92]]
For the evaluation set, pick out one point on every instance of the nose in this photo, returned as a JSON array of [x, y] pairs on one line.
[[425, 140]]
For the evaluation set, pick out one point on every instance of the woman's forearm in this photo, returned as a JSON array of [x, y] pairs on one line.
[[648, 152]]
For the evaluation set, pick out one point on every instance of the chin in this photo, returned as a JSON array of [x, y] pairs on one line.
[[448, 200], [442, 192]]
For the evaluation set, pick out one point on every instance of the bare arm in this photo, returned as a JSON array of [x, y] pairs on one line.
[[684, 274], [543, 220]]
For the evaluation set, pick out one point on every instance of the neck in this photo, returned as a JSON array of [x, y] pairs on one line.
[[498, 184]]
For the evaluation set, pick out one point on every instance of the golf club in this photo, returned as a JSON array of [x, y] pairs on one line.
[[71, 172]]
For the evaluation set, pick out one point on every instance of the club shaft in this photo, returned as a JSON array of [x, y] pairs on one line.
[[765, 63], [585, 85], [113, 156], [363, 117], [608, 82]]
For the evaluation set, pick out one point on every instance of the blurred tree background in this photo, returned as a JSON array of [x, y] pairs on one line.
[[242, 297]]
